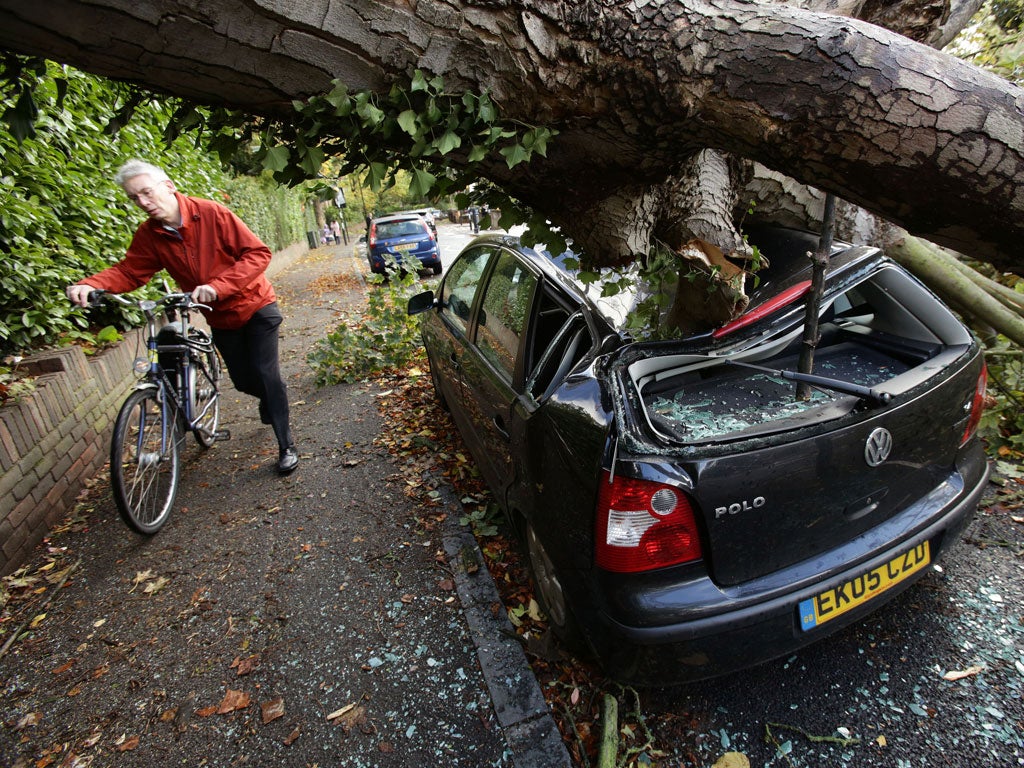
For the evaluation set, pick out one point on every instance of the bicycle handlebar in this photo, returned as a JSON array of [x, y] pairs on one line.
[[171, 300]]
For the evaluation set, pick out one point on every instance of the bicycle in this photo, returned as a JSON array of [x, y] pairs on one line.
[[179, 392]]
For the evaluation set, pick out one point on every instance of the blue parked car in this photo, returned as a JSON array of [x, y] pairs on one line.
[[393, 242]]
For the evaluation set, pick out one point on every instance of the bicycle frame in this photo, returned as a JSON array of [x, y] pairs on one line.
[[174, 397]]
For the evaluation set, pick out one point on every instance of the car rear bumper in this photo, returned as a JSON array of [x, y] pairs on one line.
[[725, 630]]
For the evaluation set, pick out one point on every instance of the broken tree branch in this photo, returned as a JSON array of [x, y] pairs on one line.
[[933, 268]]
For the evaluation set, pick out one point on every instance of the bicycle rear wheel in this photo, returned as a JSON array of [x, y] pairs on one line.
[[203, 384], [144, 466]]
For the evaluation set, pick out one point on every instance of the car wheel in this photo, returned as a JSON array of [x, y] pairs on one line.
[[550, 594], [437, 269]]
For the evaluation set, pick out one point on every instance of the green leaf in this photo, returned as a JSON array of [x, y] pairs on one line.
[[419, 82], [515, 154], [539, 140], [407, 122], [312, 160], [448, 141], [21, 118], [487, 111], [422, 182], [370, 114], [338, 95], [108, 335], [276, 159], [375, 175], [477, 153]]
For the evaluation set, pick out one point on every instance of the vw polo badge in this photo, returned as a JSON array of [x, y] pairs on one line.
[[878, 447]]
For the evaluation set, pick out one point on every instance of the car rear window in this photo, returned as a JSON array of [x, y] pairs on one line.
[[406, 228]]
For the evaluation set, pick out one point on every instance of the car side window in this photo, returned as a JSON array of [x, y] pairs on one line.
[[460, 285], [570, 345], [506, 308]]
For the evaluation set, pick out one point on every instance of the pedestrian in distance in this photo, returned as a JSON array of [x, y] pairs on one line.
[[212, 254], [336, 232]]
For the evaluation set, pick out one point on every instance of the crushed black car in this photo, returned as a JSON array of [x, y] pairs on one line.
[[684, 514]]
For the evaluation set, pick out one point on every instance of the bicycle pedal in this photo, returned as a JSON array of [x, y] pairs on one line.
[[222, 434]]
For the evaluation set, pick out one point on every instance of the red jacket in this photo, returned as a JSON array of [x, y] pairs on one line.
[[213, 247]]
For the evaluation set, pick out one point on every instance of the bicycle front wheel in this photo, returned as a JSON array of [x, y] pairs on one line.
[[144, 467]]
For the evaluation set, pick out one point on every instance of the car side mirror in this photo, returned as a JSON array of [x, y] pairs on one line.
[[421, 302]]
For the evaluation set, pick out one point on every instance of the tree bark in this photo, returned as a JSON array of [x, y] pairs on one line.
[[919, 138]]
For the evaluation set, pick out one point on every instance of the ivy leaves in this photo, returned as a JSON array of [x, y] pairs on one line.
[[440, 138]]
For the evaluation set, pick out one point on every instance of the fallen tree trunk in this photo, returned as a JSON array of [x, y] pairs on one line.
[[954, 282]]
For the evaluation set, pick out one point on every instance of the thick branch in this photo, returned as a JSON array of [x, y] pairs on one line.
[[955, 287], [912, 135]]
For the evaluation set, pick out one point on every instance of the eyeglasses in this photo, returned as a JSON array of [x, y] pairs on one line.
[[146, 192]]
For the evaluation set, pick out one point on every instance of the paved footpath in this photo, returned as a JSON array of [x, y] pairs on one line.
[[298, 621]]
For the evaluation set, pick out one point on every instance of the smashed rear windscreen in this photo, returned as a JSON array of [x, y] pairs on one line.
[[712, 403], [886, 333]]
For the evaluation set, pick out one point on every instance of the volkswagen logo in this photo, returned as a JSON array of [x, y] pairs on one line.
[[878, 447]]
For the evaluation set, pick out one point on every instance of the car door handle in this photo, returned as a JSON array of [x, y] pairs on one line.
[[454, 359], [499, 424]]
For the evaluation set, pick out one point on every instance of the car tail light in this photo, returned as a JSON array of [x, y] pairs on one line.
[[371, 239], [784, 299], [642, 525], [977, 405]]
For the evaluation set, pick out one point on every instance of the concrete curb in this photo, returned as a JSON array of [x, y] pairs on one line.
[[530, 731]]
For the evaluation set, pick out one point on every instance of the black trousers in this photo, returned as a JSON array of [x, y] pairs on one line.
[[251, 356]]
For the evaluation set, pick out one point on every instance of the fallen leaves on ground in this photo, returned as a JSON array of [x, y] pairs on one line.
[[271, 710], [337, 282], [126, 743], [245, 666]]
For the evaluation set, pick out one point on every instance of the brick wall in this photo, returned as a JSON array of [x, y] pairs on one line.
[[56, 438]]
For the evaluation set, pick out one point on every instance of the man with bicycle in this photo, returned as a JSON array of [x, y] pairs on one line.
[[213, 255]]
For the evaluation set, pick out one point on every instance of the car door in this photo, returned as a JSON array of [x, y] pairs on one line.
[[492, 374], [449, 339]]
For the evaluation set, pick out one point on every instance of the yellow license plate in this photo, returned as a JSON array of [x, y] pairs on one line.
[[404, 247], [836, 601]]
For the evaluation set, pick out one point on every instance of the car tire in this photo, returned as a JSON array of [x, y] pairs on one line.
[[550, 595], [437, 269]]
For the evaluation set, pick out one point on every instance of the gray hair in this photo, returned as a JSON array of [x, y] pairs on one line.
[[134, 168]]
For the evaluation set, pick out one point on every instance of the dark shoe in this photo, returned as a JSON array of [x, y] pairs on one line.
[[264, 414], [288, 461]]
